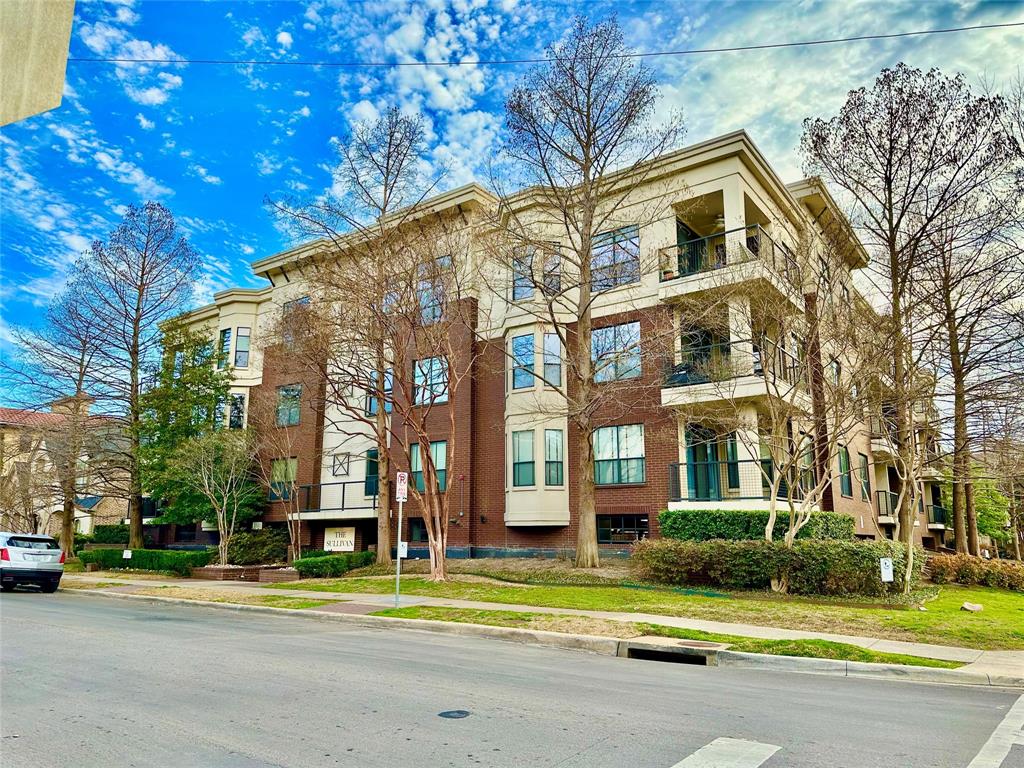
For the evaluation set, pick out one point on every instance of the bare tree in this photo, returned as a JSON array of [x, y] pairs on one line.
[[581, 129], [141, 276], [906, 153]]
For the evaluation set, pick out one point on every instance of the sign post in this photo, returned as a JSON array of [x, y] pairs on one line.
[[401, 494]]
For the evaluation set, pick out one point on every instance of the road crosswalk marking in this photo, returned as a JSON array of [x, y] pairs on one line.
[[999, 744], [729, 753]]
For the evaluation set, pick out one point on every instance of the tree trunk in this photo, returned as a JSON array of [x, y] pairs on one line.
[[135, 538], [973, 545], [383, 489], [961, 452], [587, 551], [67, 524]]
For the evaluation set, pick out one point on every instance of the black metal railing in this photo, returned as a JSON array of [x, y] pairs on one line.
[[341, 496], [882, 427], [734, 246], [888, 503], [936, 514], [724, 479], [713, 362]]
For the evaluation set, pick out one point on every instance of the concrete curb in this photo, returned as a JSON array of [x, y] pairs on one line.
[[608, 646]]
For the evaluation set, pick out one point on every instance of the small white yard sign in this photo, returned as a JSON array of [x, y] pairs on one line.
[[886, 565], [403, 549], [126, 554]]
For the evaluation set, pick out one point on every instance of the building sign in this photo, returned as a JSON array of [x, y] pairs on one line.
[[340, 539]]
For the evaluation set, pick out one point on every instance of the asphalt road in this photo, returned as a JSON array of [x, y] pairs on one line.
[[93, 681]]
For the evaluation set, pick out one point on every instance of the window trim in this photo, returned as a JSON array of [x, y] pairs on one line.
[[614, 240], [297, 406], [248, 345], [278, 494], [520, 366], [845, 475], [522, 463], [341, 464], [557, 464], [865, 476], [613, 358], [619, 461], [547, 355], [371, 480], [440, 473], [236, 397], [427, 384], [223, 348]]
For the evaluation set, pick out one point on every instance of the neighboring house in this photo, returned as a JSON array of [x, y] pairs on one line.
[[30, 494], [723, 203]]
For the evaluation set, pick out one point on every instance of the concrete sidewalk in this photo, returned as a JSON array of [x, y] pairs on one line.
[[1002, 663]]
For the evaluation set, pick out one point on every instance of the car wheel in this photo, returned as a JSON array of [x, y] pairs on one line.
[[52, 587]]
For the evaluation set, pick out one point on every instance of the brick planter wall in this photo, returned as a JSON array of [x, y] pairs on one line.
[[218, 573], [277, 575]]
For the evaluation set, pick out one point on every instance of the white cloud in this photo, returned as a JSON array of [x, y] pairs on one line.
[[304, 111], [301, 94], [248, 250], [111, 162], [252, 36], [267, 164], [204, 174], [284, 39], [364, 112], [146, 125]]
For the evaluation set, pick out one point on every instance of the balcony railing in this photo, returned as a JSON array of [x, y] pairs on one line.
[[936, 514], [880, 426], [699, 481], [713, 362], [734, 246], [888, 503], [341, 497]]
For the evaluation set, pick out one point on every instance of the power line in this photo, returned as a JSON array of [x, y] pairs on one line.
[[510, 62]]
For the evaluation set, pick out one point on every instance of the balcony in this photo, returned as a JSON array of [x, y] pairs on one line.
[[936, 517], [887, 503], [744, 245], [698, 484], [884, 440], [343, 500]]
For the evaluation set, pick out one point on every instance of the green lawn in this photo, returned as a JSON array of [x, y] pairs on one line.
[[999, 627], [818, 649]]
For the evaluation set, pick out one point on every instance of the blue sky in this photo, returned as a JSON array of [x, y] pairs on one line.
[[213, 141]]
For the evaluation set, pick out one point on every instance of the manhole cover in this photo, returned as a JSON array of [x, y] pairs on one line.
[[453, 714]]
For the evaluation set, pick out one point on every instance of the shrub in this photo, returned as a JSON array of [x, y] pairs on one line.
[[332, 565], [965, 569], [175, 561], [316, 553], [110, 534], [269, 545], [748, 525], [814, 567]]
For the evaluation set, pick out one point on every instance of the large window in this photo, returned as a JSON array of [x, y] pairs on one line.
[[242, 348], [430, 289], [616, 259], [282, 478], [552, 359], [552, 272], [289, 400], [622, 529], [865, 478], [430, 381], [522, 361], [616, 352], [417, 529], [554, 472], [224, 347], [845, 477], [439, 455], [619, 455], [236, 416], [370, 484], [372, 403], [522, 459], [522, 276]]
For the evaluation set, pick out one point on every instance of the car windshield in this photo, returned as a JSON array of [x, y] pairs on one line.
[[25, 543]]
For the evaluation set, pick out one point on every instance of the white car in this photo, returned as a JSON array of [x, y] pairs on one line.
[[29, 558]]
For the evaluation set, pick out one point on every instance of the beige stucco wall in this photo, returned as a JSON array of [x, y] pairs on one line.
[[34, 39]]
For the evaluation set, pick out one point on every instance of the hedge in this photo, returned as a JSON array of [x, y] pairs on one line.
[[965, 569], [748, 525], [814, 567], [110, 534], [332, 565], [269, 545], [175, 561]]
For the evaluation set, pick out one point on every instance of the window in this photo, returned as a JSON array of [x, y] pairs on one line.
[[218, 413], [522, 459], [430, 381], [845, 478], [223, 347], [282, 478], [370, 484], [522, 275], [289, 398], [371, 401], [865, 478], [242, 348], [622, 529], [835, 371], [439, 455], [615, 350], [616, 259], [552, 283], [340, 464], [552, 359], [236, 415], [431, 289], [291, 306], [417, 529], [846, 294], [522, 361], [619, 455], [732, 463], [553, 457]]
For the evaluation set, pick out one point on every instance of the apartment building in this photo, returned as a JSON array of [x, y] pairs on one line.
[[706, 261]]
